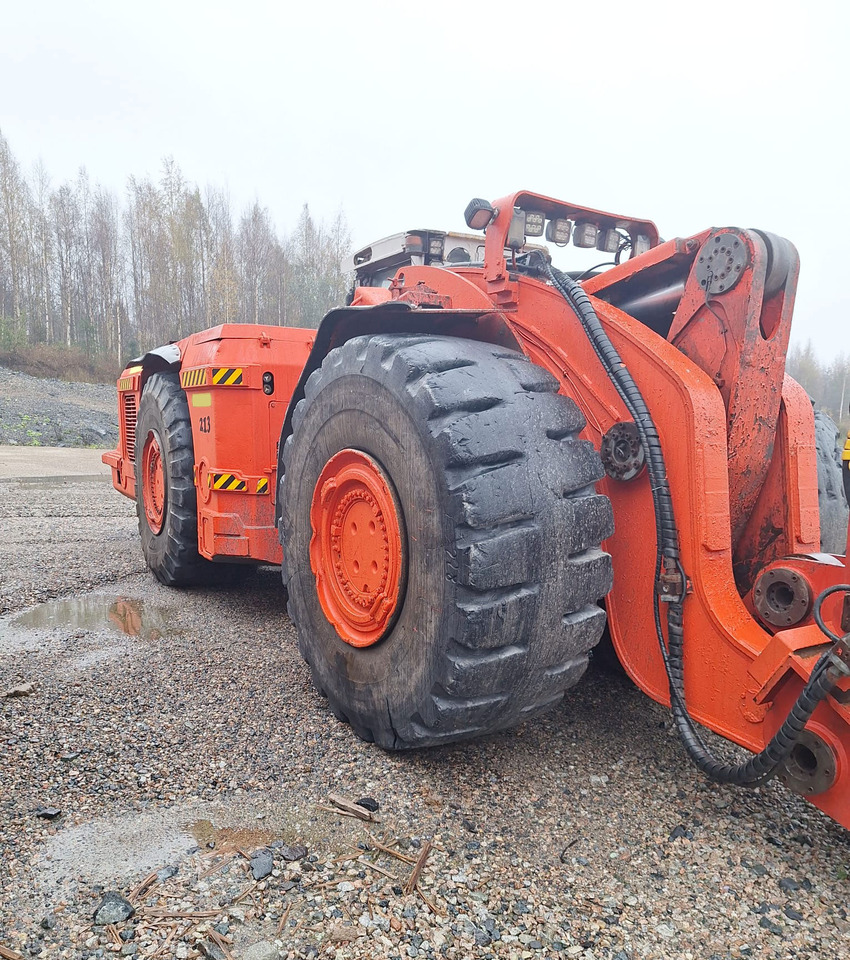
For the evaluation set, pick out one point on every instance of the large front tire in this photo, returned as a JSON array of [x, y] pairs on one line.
[[493, 611]]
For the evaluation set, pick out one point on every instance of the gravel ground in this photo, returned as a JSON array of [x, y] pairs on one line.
[[41, 412], [172, 735]]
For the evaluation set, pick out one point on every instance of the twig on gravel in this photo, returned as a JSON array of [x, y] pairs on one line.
[[8, 954], [181, 915], [282, 922], [247, 892], [338, 812], [351, 808], [112, 931], [220, 943], [143, 886], [388, 849], [420, 863], [374, 866], [215, 867], [432, 907], [161, 949]]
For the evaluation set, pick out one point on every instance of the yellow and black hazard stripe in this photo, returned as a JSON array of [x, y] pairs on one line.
[[263, 485], [227, 376], [228, 481], [195, 377]]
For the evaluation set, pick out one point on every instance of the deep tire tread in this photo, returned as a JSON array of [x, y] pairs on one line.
[[528, 527]]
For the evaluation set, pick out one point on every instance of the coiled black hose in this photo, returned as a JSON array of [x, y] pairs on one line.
[[764, 765]]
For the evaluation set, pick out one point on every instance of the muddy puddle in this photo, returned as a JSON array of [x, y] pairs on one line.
[[130, 845], [77, 618], [133, 618]]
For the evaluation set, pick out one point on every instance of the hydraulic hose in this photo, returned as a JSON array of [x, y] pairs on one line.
[[671, 581]]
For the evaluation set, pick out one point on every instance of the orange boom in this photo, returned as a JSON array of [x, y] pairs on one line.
[[459, 468]]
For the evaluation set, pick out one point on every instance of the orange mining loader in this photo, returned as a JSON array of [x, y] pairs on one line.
[[467, 470]]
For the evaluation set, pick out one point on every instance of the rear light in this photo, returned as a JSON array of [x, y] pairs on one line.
[[585, 235], [413, 243]]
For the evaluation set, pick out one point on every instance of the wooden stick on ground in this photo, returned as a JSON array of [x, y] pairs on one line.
[[215, 867], [149, 881], [221, 944], [378, 845], [8, 954], [377, 869], [352, 809], [420, 863], [284, 918], [428, 903]]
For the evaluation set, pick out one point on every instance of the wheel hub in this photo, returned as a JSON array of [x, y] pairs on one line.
[[357, 547], [153, 484]]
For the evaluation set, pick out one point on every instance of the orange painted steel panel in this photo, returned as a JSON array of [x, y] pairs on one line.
[[236, 429]]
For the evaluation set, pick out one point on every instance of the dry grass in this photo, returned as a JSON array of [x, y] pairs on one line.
[[60, 363]]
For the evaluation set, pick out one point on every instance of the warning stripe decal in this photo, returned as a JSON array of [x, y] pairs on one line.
[[227, 376], [232, 482], [193, 378], [228, 481]]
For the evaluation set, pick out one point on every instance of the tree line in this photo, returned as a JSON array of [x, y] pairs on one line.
[[828, 384], [113, 276]]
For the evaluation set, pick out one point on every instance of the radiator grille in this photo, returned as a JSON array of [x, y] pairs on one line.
[[130, 425]]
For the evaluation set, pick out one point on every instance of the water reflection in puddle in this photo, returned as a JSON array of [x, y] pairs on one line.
[[134, 618]]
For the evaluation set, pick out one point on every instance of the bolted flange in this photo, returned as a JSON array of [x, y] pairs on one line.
[[622, 453], [782, 597]]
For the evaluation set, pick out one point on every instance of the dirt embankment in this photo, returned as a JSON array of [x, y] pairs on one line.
[[53, 413]]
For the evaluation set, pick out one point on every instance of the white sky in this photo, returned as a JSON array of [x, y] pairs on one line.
[[693, 114]]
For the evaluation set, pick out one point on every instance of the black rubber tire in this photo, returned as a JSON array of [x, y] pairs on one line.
[[172, 554], [832, 498], [503, 526]]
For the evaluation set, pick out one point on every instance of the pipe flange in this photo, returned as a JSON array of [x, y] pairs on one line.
[[782, 597], [721, 263], [810, 768], [622, 453]]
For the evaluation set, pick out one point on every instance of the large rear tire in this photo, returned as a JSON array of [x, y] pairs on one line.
[[490, 563], [166, 500], [832, 496]]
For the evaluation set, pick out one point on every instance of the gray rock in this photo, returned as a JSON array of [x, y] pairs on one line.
[[295, 852], [261, 864], [113, 908], [263, 950], [211, 951], [789, 885], [166, 874]]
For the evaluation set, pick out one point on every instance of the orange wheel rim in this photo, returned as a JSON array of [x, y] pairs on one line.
[[153, 484], [357, 547]]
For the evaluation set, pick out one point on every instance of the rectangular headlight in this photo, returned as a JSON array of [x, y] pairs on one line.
[[608, 241], [534, 223], [585, 235], [558, 231]]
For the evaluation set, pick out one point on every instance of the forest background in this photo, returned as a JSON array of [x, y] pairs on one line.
[[89, 279]]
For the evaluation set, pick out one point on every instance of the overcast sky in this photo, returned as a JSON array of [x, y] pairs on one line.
[[693, 114]]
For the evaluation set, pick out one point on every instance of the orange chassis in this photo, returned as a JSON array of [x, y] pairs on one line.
[[737, 435]]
